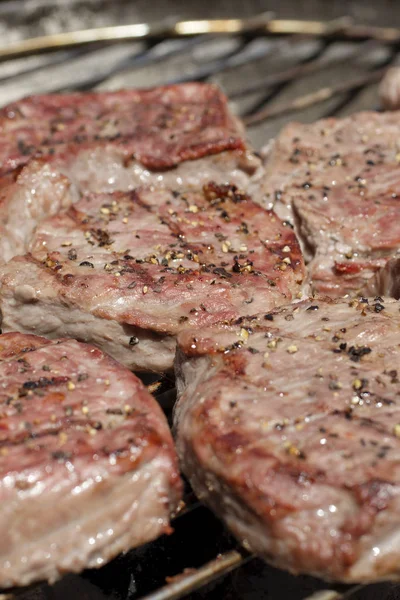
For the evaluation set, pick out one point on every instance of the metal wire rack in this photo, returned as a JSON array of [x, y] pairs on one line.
[[270, 69]]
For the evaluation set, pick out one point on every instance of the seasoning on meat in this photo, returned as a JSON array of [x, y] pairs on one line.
[[163, 271], [87, 464], [299, 454], [343, 195], [194, 115], [55, 148]]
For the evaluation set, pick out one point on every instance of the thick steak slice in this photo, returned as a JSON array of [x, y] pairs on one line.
[[288, 427], [341, 179], [87, 465], [173, 135], [129, 271]]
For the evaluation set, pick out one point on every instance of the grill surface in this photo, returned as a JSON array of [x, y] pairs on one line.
[[268, 78]]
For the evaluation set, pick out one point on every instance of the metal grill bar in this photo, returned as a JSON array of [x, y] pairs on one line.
[[152, 55], [306, 68], [194, 579], [316, 97], [329, 595], [141, 31], [261, 25], [242, 56]]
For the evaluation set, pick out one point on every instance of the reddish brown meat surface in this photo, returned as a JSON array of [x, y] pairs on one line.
[[87, 465], [160, 127], [129, 271], [54, 148], [288, 426], [117, 139], [340, 177]]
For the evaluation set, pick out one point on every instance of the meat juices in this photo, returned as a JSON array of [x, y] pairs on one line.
[[87, 463], [288, 427]]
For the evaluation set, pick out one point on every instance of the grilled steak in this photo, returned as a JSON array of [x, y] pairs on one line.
[[288, 428], [129, 271], [172, 135], [87, 465], [341, 179]]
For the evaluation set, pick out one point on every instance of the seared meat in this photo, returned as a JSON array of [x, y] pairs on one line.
[[129, 271], [87, 464], [175, 136], [288, 427], [118, 140], [341, 179]]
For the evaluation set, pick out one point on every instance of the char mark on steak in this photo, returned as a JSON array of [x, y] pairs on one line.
[[129, 271], [340, 178], [288, 427], [87, 464]]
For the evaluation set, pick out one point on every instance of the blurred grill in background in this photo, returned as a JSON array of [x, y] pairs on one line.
[[316, 71]]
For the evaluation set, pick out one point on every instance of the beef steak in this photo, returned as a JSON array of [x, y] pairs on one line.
[[106, 141], [288, 428], [128, 271], [87, 464], [340, 177]]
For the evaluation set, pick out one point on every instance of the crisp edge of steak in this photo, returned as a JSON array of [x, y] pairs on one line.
[[93, 471]]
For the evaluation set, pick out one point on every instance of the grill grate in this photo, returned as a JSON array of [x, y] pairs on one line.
[[270, 69]]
